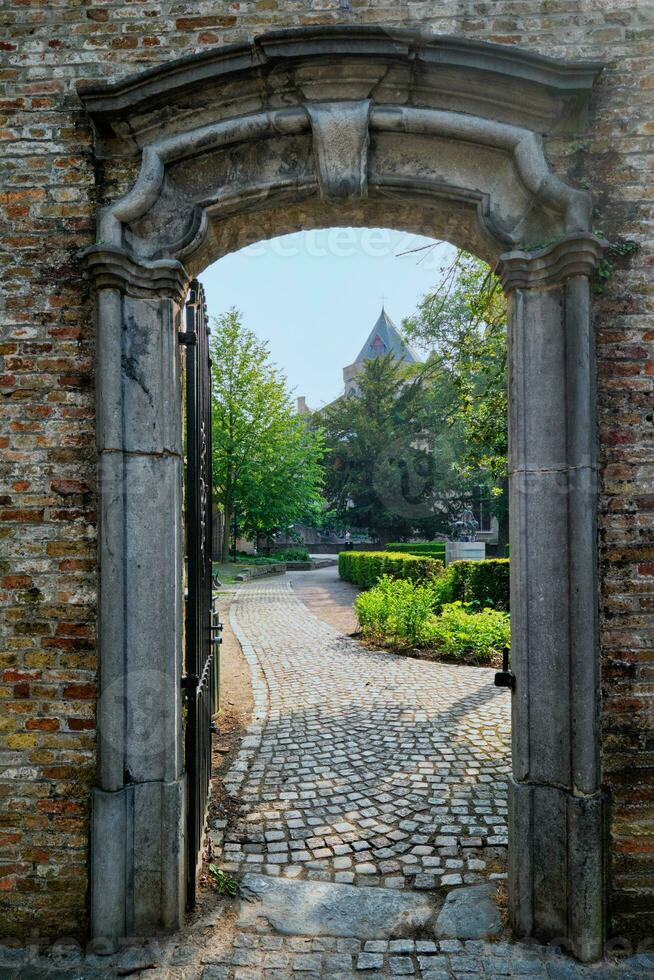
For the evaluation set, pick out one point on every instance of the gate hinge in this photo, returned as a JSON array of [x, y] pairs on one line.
[[188, 338], [505, 677], [190, 682]]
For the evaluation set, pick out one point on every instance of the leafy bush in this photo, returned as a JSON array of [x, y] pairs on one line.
[[399, 612], [430, 549], [365, 568], [487, 583], [458, 631], [444, 590], [258, 560], [480, 584], [293, 554], [395, 610]]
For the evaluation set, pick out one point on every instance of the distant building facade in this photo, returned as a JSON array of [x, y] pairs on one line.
[[384, 338]]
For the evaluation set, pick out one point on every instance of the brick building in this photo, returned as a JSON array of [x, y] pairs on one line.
[[54, 181]]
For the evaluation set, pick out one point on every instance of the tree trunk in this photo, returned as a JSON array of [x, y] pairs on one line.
[[227, 530]]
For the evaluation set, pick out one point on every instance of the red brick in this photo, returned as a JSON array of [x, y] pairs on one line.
[[79, 692], [42, 724], [16, 581]]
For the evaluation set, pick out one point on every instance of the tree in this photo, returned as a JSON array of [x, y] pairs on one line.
[[266, 463], [463, 324], [390, 467]]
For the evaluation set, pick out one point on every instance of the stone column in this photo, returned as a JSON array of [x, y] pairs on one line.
[[556, 853], [137, 831]]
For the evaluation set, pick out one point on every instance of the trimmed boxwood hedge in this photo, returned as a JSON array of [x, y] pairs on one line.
[[431, 549], [364, 568], [485, 583]]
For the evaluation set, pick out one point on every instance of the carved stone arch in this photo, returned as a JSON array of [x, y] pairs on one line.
[[350, 126]]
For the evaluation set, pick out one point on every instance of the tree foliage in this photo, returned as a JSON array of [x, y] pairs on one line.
[[266, 463], [463, 324], [390, 467]]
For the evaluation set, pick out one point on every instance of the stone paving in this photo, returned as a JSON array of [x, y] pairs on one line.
[[253, 956], [327, 597], [358, 767], [259, 957], [361, 766]]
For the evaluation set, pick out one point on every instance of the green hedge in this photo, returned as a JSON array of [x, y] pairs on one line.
[[484, 583], [364, 568], [431, 549], [401, 613]]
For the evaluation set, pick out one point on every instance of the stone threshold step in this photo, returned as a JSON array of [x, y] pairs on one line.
[[317, 908]]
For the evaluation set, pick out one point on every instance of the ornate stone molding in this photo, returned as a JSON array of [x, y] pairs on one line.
[[340, 134], [192, 143], [522, 145], [113, 268], [340, 145], [574, 255], [484, 106], [448, 72]]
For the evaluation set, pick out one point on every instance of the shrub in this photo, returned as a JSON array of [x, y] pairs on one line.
[[487, 583], [401, 612], [458, 631], [365, 568], [293, 554], [480, 584], [430, 549], [444, 590], [395, 610]]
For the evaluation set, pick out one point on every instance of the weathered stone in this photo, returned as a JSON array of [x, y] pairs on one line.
[[53, 181], [469, 913], [315, 908]]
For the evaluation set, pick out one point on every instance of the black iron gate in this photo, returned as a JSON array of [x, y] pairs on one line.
[[200, 680]]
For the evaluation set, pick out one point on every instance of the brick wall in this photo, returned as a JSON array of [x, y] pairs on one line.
[[47, 519]]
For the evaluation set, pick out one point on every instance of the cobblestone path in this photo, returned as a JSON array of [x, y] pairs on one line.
[[360, 766], [327, 597], [369, 768]]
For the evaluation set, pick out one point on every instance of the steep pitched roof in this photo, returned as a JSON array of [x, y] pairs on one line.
[[384, 338]]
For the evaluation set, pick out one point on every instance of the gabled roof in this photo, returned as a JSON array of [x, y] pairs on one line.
[[384, 338]]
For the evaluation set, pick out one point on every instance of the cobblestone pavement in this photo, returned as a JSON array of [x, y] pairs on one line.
[[361, 766], [357, 767], [256, 956], [327, 597]]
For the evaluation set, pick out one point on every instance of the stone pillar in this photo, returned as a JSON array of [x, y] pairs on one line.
[[137, 831], [556, 819]]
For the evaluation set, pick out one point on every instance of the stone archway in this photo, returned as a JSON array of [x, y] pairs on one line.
[[326, 127]]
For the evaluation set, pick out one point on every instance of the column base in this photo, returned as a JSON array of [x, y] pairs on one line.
[[138, 879], [557, 881]]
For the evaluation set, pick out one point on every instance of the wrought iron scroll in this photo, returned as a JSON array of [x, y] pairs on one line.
[[200, 680]]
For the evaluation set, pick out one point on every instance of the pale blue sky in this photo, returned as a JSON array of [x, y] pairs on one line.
[[314, 296]]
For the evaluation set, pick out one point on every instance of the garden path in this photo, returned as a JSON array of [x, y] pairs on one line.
[[363, 767], [358, 768]]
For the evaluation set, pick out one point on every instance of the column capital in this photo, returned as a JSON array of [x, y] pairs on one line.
[[574, 255], [110, 267]]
